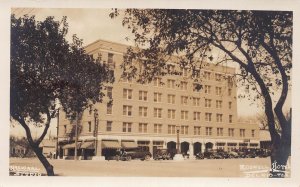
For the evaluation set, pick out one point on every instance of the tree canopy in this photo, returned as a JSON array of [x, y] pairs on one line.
[[259, 42], [47, 71]]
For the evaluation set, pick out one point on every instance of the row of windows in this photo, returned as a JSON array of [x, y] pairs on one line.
[[157, 113], [143, 95], [127, 110], [127, 94], [183, 129]]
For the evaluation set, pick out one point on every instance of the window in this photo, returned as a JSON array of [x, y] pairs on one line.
[[207, 103], [218, 77], [196, 130], [207, 75], [219, 131], [143, 111], [208, 131], [197, 116], [171, 99], [109, 92], [231, 132], [196, 101], [127, 127], [171, 83], [143, 95], [230, 81], [207, 89], [218, 90], [108, 125], [65, 129], [219, 118], [157, 97], [208, 116], [127, 110], [242, 132], [157, 128], [143, 127], [229, 105], [184, 72], [183, 85], [171, 113], [230, 118], [157, 112], [218, 104], [90, 126], [157, 82], [229, 91], [184, 114], [110, 58], [184, 100], [126, 78], [127, 94], [184, 129], [197, 87], [171, 129], [253, 133], [109, 108]]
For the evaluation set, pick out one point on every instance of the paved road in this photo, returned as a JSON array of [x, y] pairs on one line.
[[186, 168]]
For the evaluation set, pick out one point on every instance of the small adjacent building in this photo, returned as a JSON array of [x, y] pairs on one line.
[[48, 147]]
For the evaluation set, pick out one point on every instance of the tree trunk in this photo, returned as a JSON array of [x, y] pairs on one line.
[[279, 160], [281, 150], [48, 167]]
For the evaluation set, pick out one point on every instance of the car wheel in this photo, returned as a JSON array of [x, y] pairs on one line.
[[147, 157], [128, 158], [117, 158]]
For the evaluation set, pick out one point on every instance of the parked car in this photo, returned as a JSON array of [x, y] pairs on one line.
[[212, 155], [233, 154], [135, 154], [216, 155], [224, 154], [199, 156], [162, 154]]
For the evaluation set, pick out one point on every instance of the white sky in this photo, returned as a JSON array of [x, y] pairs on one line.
[[93, 24]]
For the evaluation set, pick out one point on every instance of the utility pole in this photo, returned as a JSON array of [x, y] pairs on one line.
[[96, 130], [76, 135], [57, 128]]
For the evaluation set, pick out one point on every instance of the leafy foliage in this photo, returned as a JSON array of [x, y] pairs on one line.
[[47, 71], [46, 68], [259, 42]]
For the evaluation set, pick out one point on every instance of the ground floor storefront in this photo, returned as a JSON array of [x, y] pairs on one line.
[[107, 146]]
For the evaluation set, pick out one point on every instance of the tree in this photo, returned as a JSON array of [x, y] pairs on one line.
[[259, 42], [48, 72]]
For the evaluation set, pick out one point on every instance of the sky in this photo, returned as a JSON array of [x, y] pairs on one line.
[[93, 24]]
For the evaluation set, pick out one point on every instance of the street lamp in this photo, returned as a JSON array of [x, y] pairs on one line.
[[96, 116], [178, 142], [178, 155]]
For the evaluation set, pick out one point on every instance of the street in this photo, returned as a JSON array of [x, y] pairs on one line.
[[248, 167]]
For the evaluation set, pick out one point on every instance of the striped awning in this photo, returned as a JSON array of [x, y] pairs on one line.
[[129, 144], [71, 146], [87, 145], [111, 144]]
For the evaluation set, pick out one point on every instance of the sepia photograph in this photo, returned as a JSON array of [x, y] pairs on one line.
[[154, 93]]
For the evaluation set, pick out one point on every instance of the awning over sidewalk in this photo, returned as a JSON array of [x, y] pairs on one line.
[[129, 144], [111, 144], [87, 145], [71, 146]]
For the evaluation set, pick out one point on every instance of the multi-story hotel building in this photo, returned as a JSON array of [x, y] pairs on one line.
[[149, 115]]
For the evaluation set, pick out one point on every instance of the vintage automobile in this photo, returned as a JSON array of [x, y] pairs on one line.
[[162, 154], [137, 153], [233, 154], [224, 154], [199, 156]]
